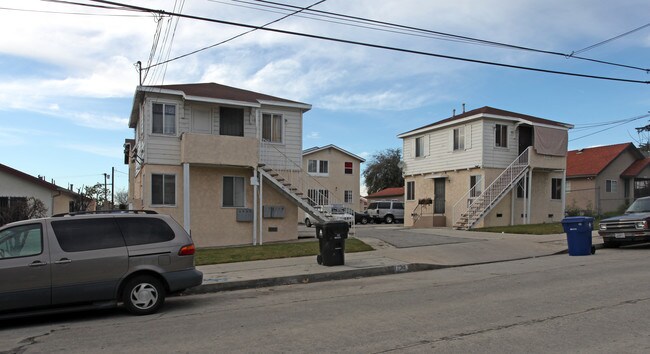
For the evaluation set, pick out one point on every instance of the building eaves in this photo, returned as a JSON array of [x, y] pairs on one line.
[[332, 146]]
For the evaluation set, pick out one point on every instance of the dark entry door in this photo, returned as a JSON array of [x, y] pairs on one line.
[[525, 138], [439, 196]]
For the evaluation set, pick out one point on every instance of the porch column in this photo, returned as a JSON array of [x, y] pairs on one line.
[[563, 193], [186, 197], [530, 195], [260, 212]]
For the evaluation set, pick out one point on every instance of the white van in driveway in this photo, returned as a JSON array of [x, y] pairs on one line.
[[94, 260], [388, 211]]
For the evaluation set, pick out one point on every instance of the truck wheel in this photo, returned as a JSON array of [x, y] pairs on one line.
[[388, 219], [143, 295]]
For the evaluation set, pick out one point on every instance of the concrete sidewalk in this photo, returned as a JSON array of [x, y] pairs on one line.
[[446, 248]]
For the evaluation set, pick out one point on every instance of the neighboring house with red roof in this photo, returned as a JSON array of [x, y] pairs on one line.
[[222, 161], [603, 179], [16, 186], [387, 194], [485, 167]]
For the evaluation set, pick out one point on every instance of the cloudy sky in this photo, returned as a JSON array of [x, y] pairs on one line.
[[67, 73]]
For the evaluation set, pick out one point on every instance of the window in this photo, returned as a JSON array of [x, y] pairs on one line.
[[501, 135], [347, 197], [419, 146], [233, 192], [21, 241], [348, 168], [410, 190], [88, 234], [459, 138], [475, 185], [611, 186], [140, 231], [318, 196], [320, 167], [163, 189], [231, 121], [556, 188], [272, 127], [164, 119]]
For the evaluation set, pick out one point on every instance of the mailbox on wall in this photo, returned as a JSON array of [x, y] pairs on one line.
[[273, 212]]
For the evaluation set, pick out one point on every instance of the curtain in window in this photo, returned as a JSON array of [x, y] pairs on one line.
[[170, 189], [157, 119], [170, 119], [272, 127], [233, 191]]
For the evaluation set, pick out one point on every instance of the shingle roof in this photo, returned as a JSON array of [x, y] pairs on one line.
[[388, 192], [592, 161], [332, 146], [637, 167], [493, 111], [214, 90]]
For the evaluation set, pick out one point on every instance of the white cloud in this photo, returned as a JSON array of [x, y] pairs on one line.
[[313, 135]]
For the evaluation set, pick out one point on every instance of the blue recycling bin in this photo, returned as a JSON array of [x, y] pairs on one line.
[[578, 235]]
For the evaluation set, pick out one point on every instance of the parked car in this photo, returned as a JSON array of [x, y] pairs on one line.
[[361, 218], [332, 212], [94, 260], [632, 227], [387, 211]]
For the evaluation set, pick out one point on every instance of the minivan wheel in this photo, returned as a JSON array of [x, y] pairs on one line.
[[143, 295], [307, 222], [388, 219]]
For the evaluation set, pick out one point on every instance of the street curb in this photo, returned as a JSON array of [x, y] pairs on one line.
[[311, 278]]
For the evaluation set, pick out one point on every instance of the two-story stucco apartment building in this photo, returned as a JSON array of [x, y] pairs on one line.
[[222, 161], [485, 167]]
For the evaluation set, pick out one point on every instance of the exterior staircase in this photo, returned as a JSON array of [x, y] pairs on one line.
[[468, 211]]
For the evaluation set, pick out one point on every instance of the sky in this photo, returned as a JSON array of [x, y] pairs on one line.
[[68, 75]]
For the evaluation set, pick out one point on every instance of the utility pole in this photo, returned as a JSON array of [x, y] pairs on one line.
[[106, 175], [112, 187]]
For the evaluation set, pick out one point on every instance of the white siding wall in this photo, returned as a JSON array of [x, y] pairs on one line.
[[164, 149], [441, 156], [11, 186], [291, 146], [495, 156]]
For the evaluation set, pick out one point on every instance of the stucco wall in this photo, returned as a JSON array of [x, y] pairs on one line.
[[581, 194]]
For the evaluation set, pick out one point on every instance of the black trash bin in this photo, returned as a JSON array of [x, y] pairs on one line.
[[331, 240], [578, 233]]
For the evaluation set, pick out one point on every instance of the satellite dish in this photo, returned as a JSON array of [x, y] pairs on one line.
[[401, 164]]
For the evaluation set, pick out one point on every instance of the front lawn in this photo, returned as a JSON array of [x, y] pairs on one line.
[[206, 256]]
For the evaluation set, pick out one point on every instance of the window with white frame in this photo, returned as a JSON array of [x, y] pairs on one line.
[[347, 197], [419, 146], [459, 138], [163, 119], [163, 189], [233, 192], [410, 190], [318, 196], [272, 127], [556, 188], [611, 186], [318, 167], [501, 136], [475, 185]]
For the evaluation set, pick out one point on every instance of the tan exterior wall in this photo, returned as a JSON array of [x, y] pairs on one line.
[[175, 211], [457, 184], [614, 200], [337, 182], [61, 203], [581, 193]]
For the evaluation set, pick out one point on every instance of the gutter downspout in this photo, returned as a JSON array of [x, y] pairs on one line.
[[186, 198]]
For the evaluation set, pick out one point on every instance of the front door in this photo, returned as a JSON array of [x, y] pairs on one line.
[[525, 138], [439, 196]]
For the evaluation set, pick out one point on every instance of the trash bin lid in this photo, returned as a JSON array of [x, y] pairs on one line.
[[577, 219]]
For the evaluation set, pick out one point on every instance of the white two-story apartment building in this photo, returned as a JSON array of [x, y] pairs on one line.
[[224, 162], [485, 167]]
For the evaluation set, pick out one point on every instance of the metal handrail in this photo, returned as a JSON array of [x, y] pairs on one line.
[[489, 195]]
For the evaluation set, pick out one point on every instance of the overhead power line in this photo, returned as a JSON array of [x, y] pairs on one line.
[[450, 35], [610, 40], [623, 121], [236, 36], [377, 46], [69, 13]]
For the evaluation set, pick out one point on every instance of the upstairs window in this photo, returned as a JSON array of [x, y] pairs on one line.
[[419, 147], [231, 121], [164, 119], [348, 168], [272, 127], [318, 167], [501, 136], [459, 138]]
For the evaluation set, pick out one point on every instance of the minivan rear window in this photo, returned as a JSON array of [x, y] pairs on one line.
[[139, 231], [87, 234]]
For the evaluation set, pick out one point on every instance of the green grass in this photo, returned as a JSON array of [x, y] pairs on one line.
[[533, 229], [206, 256]]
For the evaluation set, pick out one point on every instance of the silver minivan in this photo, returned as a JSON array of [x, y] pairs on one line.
[[94, 260]]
